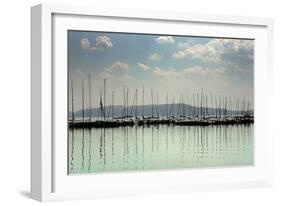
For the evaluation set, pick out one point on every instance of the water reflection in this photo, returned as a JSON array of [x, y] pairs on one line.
[[159, 147]]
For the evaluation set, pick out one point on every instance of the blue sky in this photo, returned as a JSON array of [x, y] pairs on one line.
[[173, 65]]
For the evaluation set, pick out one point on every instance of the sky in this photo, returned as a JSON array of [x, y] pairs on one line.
[[170, 65]]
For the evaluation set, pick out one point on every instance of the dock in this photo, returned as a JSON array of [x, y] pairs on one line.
[[153, 121]]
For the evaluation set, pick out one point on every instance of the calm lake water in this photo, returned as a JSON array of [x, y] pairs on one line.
[[159, 147]]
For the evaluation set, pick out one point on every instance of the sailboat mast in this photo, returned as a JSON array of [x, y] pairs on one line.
[[229, 106], [197, 105], [90, 106], [124, 104], [127, 98], [143, 101], [220, 107], [152, 113], [72, 102], [237, 107], [83, 115], [104, 90], [193, 105], [167, 106], [157, 103], [112, 105], [206, 106], [201, 104], [136, 110], [187, 105], [183, 105], [172, 108], [215, 106], [179, 107], [101, 107], [212, 104]]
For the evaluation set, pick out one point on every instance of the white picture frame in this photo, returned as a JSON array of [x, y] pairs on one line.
[[49, 180]]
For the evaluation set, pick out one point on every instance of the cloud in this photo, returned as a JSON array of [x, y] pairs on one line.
[[85, 43], [165, 40], [207, 53], [214, 50], [179, 55], [195, 71], [166, 73], [184, 45], [143, 66], [106, 75], [104, 41], [118, 67], [155, 56], [100, 43], [116, 70]]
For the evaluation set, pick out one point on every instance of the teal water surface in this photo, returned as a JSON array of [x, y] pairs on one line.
[[159, 147]]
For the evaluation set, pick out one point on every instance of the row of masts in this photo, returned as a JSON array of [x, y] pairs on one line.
[[198, 105]]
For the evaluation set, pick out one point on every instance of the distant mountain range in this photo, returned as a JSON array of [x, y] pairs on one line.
[[146, 110]]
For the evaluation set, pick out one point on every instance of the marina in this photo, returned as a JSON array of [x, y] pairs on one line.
[[199, 110]]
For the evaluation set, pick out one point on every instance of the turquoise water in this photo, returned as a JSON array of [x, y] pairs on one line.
[[159, 147]]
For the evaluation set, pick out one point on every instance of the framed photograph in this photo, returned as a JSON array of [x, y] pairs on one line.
[[136, 102]]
